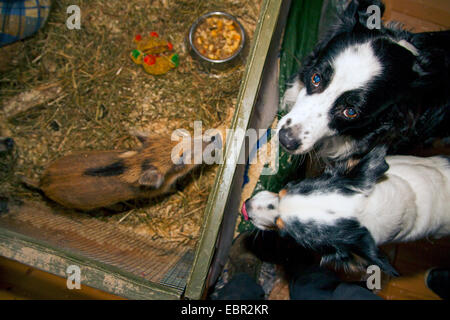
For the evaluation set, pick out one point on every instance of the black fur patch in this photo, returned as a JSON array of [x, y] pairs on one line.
[[338, 242], [339, 179], [323, 184], [114, 169], [447, 158], [6, 144], [4, 208], [146, 165]]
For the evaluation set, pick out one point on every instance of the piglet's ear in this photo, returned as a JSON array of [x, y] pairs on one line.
[[369, 169], [151, 178], [141, 136]]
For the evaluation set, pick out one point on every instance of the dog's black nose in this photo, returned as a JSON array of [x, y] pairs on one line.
[[288, 139]]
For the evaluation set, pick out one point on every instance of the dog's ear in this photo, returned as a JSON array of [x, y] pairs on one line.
[[340, 259], [354, 249], [369, 170], [368, 250], [358, 12]]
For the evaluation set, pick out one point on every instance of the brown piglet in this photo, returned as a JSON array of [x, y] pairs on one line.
[[93, 179]]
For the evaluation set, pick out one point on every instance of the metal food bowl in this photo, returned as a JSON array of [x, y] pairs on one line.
[[216, 63]]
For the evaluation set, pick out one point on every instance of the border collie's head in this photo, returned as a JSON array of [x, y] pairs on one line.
[[262, 210], [346, 86], [322, 213]]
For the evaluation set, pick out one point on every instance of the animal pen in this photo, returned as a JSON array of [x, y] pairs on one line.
[[77, 91], [93, 96]]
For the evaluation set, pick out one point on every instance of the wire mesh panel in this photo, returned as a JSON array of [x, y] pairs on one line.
[[157, 261]]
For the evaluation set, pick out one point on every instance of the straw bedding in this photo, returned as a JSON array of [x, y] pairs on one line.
[[69, 90]]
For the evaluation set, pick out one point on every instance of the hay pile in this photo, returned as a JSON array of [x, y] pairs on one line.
[[101, 94]]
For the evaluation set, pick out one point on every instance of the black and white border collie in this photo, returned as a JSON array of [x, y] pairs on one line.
[[360, 88], [346, 213]]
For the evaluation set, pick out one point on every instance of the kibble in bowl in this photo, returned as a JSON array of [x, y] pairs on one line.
[[217, 37]]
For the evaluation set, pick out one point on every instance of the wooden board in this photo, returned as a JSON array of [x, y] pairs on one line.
[[419, 15], [21, 282], [412, 260]]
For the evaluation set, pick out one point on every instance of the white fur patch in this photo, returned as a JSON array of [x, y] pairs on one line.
[[263, 217], [323, 208], [291, 94], [335, 147], [408, 46], [353, 68]]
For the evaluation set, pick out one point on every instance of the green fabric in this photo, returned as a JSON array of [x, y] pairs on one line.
[[300, 36], [299, 39]]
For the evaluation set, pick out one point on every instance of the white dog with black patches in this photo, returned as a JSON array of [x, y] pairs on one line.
[[361, 88], [347, 212]]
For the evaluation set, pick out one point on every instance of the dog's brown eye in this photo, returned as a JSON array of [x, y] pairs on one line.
[[350, 113], [316, 79]]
